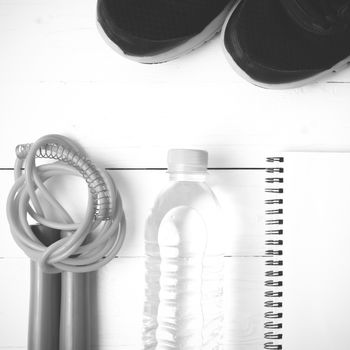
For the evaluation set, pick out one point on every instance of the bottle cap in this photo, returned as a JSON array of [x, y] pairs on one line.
[[187, 160]]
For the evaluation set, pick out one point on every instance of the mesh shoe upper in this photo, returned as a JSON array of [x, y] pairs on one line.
[[269, 43], [162, 19], [320, 16]]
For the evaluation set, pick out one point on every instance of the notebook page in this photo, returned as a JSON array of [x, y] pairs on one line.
[[316, 253]]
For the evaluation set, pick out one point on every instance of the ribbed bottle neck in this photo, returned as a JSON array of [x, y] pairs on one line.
[[190, 176]]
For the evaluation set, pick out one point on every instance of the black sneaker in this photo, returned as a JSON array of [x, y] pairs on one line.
[[288, 43], [154, 31]]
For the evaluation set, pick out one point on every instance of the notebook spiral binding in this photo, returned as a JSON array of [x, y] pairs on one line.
[[274, 251]]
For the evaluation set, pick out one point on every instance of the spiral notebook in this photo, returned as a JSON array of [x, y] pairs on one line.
[[307, 279]]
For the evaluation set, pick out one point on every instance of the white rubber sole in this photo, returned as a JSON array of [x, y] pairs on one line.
[[338, 67], [190, 45]]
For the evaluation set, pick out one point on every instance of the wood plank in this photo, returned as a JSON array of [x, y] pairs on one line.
[[58, 76], [58, 41], [240, 193], [118, 304], [134, 125]]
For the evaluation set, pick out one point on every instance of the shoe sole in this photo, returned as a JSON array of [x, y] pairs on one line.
[[284, 86], [190, 45]]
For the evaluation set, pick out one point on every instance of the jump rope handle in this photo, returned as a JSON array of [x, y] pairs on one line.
[[75, 331], [45, 299], [59, 315], [75, 312]]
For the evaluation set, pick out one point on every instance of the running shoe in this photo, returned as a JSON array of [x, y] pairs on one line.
[[155, 31], [287, 43]]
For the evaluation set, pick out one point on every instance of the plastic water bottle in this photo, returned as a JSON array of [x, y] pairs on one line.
[[184, 260]]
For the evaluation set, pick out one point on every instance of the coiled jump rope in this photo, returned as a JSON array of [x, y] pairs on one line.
[[63, 252]]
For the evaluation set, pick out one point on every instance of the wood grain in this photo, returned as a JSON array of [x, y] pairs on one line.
[[240, 192], [58, 76], [118, 302]]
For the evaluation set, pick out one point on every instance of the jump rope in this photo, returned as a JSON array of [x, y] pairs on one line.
[[63, 253]]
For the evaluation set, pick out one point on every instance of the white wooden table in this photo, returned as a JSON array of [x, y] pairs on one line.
[[58, 76]]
